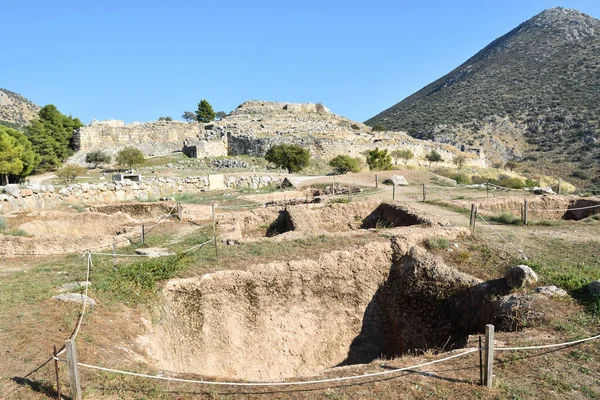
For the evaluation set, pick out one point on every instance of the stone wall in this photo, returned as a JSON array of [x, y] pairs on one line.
[[152, 138], [38, 197]]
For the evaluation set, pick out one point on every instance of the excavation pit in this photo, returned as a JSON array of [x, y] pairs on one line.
[[297, 318], [543, 208], [322, 219]]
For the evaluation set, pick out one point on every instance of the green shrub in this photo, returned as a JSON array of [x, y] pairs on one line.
[[437, 242], [70, 171], [511, 182], [379, 160], [378, 128], [130, 156], [531, 183], [97, 157], [478, 180], [18, 232], [341, 200], [289, 156], [581, 174], [506, 218], [355, 127], [461, 178], [343, 163]]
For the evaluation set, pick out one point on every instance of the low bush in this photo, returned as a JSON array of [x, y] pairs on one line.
[[511, 182], [506, 218], [461, 178], [437, 242]]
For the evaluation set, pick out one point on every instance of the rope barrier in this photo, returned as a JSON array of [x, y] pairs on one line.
[[197, 246], [546, 346], [523, 255], [161, 219], [263, 384]]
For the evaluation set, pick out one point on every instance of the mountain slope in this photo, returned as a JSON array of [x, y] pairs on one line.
[[531, 94], [15, 110]]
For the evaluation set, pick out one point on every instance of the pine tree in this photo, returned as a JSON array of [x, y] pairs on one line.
[[205, 112]]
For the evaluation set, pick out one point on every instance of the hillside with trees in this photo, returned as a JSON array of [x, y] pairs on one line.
[[530, 96], [15, 110]]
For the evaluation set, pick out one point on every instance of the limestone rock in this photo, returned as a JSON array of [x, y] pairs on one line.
[[520, 276], [551, 291], [399, 180], [153, 252], [70, 286], [75, 297]]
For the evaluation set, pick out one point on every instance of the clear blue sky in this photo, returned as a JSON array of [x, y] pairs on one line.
[[139, 60]]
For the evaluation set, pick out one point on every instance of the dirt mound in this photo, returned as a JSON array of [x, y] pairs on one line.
[[55, 244], [295, 318], [76, 224], [138, 210]]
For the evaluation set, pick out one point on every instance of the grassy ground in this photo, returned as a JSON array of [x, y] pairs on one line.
[[562, 254]]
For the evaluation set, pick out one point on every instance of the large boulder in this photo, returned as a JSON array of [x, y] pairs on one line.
[[594, 288], [521, 276]]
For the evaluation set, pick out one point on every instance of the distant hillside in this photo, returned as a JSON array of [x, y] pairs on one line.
[[531, 95], [15, 110]]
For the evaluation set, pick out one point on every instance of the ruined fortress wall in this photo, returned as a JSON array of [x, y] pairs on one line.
[[328, 148], [152, 138]]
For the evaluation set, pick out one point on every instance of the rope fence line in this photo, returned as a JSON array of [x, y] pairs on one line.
[[521, 252], [274, 384], [566, 209], [546, 346]]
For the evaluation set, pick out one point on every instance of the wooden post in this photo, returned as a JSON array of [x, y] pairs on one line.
[[480, 362], [559, 182], [489, 354], [57, 374], [143, 234], [424, 192], [214, 223], [376, 181], [394, 192], [114, 255], [350, 193], [487, 189], [179, 211], [73, 371], [525, 213], [472, 217], [333, 186]]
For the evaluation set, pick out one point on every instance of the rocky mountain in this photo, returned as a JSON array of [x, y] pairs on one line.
[[15, 110], [530, 95]]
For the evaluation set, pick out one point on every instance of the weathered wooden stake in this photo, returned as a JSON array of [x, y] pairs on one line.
[[73, 371], [333, 186], [350, 192], [394, 192], [525, 213], [114, 255], [489, 354], [376, 181], [472, 217], [179, 211], [424, 192], [214, 223], [559, 184], [480, 362], [56, 371], [143, 234]]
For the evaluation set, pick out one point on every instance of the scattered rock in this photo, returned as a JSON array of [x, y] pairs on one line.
[[75, 297], [399, 180], [520, 276], [154, 252], [70, 286], [551, 291]]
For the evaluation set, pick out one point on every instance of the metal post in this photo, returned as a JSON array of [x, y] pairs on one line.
[[489, 354], [114, 255], [214, 223], [525, 213], [56, 371], [73, 371]]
